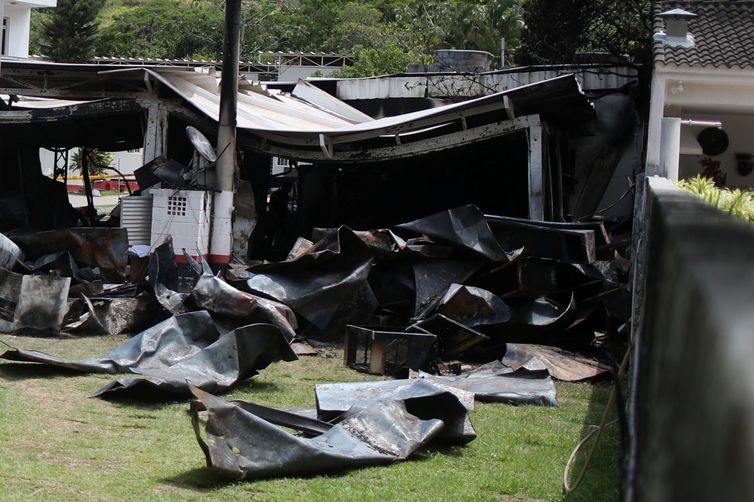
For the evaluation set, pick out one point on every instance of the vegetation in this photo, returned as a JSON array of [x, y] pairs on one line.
[[59, 444], [736, 202], [556, 31], [68, 32], [97, 160], [384, 35]]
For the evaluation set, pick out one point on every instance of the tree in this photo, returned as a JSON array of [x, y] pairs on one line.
[[556, 30], [97, 160], [167, 29], [457, 24], [385, 60], [69, 31]]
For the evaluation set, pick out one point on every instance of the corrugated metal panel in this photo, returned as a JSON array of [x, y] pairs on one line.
[[382, 87], [136, 217], [478, 84]]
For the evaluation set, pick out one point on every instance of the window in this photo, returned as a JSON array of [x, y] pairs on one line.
[[176, 205], [4, 37]]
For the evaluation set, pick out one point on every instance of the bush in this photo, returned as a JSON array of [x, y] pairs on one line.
[[736, 202]]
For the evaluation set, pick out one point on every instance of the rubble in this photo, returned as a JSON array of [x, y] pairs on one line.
[[183, 350], [435, 280], [246, 441]]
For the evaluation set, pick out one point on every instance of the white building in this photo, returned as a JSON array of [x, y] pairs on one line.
[[16, 16], [703, 81]]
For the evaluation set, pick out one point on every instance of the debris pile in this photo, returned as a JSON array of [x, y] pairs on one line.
[[417, 301], [456, 285]]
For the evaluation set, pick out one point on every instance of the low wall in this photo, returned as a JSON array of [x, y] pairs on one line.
[[691, 409]]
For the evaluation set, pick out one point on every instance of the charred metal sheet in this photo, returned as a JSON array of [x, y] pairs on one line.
[[358, 308], [559, 363], [219, 297], [544, 313], [10, 253], [162, 267], [61, 263], [29, 302], [385, 244], [112, 316], [173, 301], [544, 240], [493, 382], [244, 442], [104, 248], [454, 340], [601, 237], [432, 278], [534, 277], [180, 351], [385, 351], [318, 282], [337, 398], [464, 227], [10, 289], [473, 306]]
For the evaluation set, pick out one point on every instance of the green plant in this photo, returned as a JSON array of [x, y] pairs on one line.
[[736, 202], [98, 160], [69, 31]]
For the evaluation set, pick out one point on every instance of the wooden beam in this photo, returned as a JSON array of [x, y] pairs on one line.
[[155, 137]]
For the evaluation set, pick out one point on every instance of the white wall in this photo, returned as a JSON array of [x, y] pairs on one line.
[[19, 17], [740, 130]]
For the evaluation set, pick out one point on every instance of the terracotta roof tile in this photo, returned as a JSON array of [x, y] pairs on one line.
[[723, 34]]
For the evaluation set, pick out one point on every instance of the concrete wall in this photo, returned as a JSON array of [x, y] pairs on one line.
[[691, 413], [740, 130]]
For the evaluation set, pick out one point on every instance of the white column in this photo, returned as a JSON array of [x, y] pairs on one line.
[[656, 111], [670, 147]]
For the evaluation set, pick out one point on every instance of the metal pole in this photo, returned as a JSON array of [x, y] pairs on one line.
[[222, 211]]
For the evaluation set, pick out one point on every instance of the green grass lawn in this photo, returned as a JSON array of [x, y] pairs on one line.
[[58, 444]]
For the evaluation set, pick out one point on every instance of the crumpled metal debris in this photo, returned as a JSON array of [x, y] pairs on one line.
[[32, 302], [103, 248], [244, 442], [219, 297], [111, 315], [463, 227], [180, 351], [494, 382], [570, 242], [333, 399], [10, 253], [472, 306], [319, 281], [561, 364]]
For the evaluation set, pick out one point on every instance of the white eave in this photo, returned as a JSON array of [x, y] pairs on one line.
[[32, 3]]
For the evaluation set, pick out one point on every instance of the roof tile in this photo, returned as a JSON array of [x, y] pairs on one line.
[[723, 34]]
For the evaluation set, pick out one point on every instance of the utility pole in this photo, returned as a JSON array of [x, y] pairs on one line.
[[221, 239]]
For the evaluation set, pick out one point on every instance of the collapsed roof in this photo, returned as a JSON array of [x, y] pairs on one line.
[[307, 124]]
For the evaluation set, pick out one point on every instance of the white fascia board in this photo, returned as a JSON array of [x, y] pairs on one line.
[[34, 3], [702, 73]]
